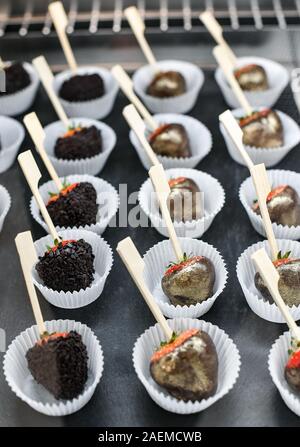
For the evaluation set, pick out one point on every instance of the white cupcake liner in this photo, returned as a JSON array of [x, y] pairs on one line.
[[278, 79], [194, 79], [107, 199], [228, 355], [17, 103], [199, 136], [269, 156], [159, 257], [11, 137], [245, 270], [92, 165], [278, 358], [95, 108], [213, 195], [5, 204], [103, 263], [247, 194], [35, 395]]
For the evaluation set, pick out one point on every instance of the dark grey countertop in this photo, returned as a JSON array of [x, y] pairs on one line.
[[120, 315]]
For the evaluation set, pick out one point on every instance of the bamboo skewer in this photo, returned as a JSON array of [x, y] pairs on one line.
[[135, 266]]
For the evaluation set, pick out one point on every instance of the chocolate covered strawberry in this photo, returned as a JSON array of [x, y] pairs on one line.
[[184, 202], [292, 367], [252, 77], [283, 205], [262, 129], [74, 206], [167, 84], [190, 281], [170, 140], [289, 281], [187, 366], [79, 142]]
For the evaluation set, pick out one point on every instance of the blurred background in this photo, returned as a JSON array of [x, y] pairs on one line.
[[99, 33]]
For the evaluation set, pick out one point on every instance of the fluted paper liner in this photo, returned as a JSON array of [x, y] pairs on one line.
[[245, 270], [97, 108], [107, 200], [35, 395], [278, 357], [11, 136], [102, 263], [194, 79], [18, 102], [269, 156], [247, 194], [199, 136], [5, 204], [159, 257], [213, 195], [278, 79], [92, 165], [228, 372]]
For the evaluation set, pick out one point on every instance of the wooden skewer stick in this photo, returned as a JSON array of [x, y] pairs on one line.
[[259, 177], [2, 63], [28, 258], [162, 188], [138, 27], [135, 266], [33, 175], [37, 134], [46, 77], [216, 31], [137, 125], [60, 21], [271, 277], [126, 85], [223, 61]]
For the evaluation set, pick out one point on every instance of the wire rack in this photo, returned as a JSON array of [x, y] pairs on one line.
[[26, 18]]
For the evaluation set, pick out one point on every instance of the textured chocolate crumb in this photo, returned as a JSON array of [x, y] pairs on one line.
[[60, 364], [16, 78], [82, 88], [68, 266], [76, 208], [84, 143]]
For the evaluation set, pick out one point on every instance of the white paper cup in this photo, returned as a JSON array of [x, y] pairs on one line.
[[278, 79], [5, 204], [35, 395], [194, 79], [247, 194], [269, 156], [95, 108], [213, 195], [228, 355], [199, 137], [107, 200], [159, 257], [103, 263], [11, 137], [278, 358], [92, 165], [245, 270], [17, 103]]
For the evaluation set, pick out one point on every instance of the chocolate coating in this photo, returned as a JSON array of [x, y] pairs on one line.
[[60, 365], [292, 376], [171, 140], [289, 283], [68, 268], [185, 201], [85, 143], [76, 208], [191, 284], [82, 88], [167, 84], [190, 372]]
